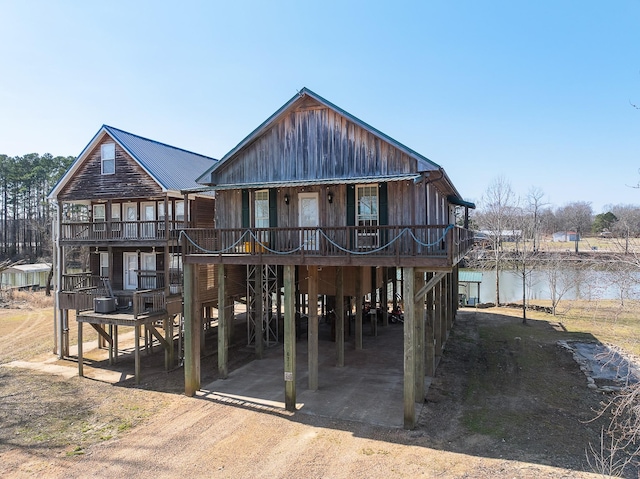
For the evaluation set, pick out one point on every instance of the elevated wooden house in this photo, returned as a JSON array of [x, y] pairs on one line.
[[317, 202], [120, 211]]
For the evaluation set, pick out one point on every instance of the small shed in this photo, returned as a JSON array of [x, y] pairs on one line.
[[566, 236], [467, 279], [27, 276]]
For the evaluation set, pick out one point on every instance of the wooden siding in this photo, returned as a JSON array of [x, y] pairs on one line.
[[236, 282], [202, 212], [327, 280], [313, 142], [408, 204], [129, 180]]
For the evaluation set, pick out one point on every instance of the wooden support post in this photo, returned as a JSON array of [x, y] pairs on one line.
[[437, 320], [312, 328], [394, 288], [289, 339], [65, 333], [419, 338], [223, 325], [136, 352], [443, 315], [446, 309], [384, 297], [80, 359], [430, 365], [339, 317], [359, 299], [115, 343], [408, 291], [168, 337], [192, 331], [110, 345], [447, 290], [259, 317]]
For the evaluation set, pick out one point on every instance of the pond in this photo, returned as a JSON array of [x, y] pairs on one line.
[[571, 283]]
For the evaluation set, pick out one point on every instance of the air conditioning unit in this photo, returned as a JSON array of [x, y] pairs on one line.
[[104, 305]]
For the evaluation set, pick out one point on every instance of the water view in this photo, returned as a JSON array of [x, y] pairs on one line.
[[570, 283]]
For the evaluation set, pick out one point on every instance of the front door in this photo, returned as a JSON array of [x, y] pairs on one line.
[[130, 279], [308, 217], [149, 217], [131, 220]]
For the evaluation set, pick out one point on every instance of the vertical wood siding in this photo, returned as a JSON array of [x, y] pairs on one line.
[[129, 180], [313, 142]]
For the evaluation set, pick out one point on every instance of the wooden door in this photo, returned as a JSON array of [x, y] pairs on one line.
[[308, 217]]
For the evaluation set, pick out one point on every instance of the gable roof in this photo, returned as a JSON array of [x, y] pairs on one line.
[[172, 168], [423, 162]]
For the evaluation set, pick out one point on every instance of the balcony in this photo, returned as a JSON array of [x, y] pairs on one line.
[[79, 290], [83, 232], [433, 246]]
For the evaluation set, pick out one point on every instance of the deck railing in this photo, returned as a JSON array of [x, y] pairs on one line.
[[445, 241], [80, 290], [84, 231]]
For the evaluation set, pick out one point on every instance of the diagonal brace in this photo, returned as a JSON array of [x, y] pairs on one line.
[[429, 285]]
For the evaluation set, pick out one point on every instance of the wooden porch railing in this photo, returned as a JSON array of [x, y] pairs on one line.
[[445, 241], [82, 288], [84, 231]]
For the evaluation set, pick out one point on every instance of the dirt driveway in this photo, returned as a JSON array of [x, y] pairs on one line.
[[506, 402]]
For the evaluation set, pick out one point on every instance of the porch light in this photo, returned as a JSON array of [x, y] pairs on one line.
[[286, 199], [330, 197]]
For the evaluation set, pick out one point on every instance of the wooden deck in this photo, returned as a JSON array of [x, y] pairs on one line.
[[435, 247], [106, 325]]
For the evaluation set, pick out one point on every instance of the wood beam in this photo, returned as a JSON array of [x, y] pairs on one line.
[[223, 324], [339, 317], [429, 285], [408, 291], [289, 339], [359, 298], [192, 331], [312, 328], [419, 339]]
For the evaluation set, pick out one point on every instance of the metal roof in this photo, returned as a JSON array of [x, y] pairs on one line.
[[425, 163], [28, 268], [174, 168], [469, 277], [298, 183]]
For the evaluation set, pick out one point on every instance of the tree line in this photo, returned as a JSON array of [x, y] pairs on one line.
[[521, 223], [25, 214]]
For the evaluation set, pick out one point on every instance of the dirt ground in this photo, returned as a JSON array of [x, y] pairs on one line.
[[506, 402]]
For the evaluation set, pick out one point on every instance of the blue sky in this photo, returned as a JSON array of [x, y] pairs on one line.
[[538, 92]]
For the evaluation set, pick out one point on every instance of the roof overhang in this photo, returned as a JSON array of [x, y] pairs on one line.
[[460, 202], [295, 184]]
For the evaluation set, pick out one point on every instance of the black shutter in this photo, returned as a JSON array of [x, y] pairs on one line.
[[351, 205], [383, 205], [273, 208], [383, 211], [245, 209], [351, 213]]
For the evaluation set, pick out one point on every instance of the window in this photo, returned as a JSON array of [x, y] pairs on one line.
[[115, 217], [261, 202], [367, 218], [104, 264], [108, 158], [98, 218]]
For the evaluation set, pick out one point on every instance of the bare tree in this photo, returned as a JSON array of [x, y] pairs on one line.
[[534, 207], [496, 211], [627, 224], [577, 216], [561, 278]]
